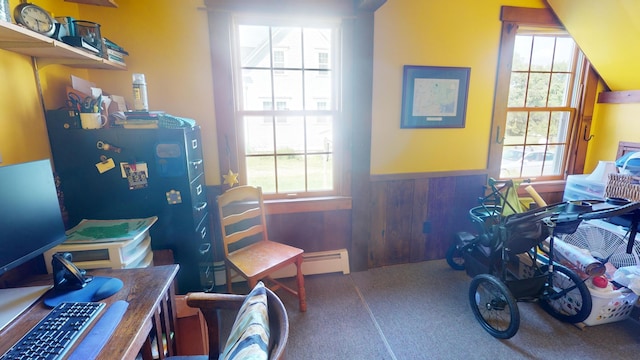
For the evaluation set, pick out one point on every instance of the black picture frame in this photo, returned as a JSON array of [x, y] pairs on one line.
[[424, 102]]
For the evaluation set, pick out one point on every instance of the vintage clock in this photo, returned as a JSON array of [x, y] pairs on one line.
[[35, 18]]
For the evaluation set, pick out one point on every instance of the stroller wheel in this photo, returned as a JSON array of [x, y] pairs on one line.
[[454, 257], [566, 297], [494, 306]]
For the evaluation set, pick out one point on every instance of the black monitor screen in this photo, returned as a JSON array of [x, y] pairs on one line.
[[30, 218]]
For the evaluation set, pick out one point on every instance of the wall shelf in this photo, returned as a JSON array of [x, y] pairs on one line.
[[49, 51]]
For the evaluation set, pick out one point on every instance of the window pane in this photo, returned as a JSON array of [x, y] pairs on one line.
[[553, 160], [291, 173], [563, 60], [288, 41], [288, 88], [538, 89], [261, 171], [254, 44], [320, 172], [542, 53], [559, 90], [517, 89], [256, 86], [319, 134], [538, 127], [317, 89], [559, 126], [290, 135], [258, 135], [522, 53], [515, 127], [317, 48]]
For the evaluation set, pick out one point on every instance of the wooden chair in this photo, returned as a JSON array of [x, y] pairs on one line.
[[247, 248], [210, 305]]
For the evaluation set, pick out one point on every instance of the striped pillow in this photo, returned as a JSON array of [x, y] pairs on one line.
[[249, 337]]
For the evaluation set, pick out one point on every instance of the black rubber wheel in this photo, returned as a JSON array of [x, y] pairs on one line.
[[494, 306], [454, 257], [568, 299]]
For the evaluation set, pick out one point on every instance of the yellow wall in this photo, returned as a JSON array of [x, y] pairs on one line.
[[168, 42], [461, 33]]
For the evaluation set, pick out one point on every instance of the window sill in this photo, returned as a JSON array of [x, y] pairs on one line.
[[288, 206]]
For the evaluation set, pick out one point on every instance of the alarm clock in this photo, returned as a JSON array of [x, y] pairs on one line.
[[35, 18]]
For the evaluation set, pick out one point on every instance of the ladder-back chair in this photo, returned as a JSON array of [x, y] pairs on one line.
[[247, 249]]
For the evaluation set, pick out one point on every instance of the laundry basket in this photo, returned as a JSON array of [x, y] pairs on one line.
[[604, 240]]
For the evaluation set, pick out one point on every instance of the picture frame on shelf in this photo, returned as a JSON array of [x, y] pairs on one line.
[[434, 96]]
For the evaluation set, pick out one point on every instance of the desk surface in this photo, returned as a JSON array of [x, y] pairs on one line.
[[143, 289]]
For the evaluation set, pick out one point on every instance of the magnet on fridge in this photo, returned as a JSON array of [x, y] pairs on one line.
[[173, 197], [105, 164]]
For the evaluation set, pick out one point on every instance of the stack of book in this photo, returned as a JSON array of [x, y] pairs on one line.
[[139, 119], [114, 52]]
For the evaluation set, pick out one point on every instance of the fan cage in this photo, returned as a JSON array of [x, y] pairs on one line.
[[605, 244]]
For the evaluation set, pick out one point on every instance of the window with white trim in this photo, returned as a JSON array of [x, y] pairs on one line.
[[287, 149]]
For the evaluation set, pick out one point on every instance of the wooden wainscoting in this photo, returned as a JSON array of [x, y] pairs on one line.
[[411, 218], [415, 219]]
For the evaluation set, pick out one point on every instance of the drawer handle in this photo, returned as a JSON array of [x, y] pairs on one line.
[[201, 206], [196, 163], [199, 189], [203, 233], [194, 143], [204, 248]]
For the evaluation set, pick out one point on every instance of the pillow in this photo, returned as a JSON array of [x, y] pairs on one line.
[[249, 337]]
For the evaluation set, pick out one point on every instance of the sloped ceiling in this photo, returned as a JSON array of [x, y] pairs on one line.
[[608, 32]]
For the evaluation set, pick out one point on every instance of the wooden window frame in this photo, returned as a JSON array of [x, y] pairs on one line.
[[511, 18], [357, 43]]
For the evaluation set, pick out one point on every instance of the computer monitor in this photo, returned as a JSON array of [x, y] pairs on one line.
[[30, 218]]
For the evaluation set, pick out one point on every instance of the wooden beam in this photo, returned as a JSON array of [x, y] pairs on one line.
[[619, 97]]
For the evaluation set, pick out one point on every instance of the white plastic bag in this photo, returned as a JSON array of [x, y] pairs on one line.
[[628, 276]]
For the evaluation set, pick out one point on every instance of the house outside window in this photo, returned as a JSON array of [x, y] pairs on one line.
[[287, 150]]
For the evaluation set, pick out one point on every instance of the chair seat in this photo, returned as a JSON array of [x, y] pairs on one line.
[[262, 257]]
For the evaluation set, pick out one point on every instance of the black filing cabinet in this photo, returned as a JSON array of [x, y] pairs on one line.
[[94, 168]]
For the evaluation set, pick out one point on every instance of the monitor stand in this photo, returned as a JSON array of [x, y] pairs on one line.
[[14, 301]]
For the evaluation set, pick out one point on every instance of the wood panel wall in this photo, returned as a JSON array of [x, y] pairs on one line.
[[415, 219]]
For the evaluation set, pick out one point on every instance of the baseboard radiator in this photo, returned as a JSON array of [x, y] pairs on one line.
[[320, 262]]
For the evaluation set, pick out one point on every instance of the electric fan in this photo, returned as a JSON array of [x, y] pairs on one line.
[[605, 242]]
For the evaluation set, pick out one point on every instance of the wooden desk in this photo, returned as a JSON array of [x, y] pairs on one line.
[[150, 294]]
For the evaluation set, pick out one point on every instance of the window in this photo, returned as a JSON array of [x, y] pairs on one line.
[[541, 105], [287, 150], [538, 102]]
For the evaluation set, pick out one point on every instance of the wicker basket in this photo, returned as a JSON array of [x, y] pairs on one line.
[[623, 186]]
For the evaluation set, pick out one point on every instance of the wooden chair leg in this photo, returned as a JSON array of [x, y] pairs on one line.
[[302, 295], [228, 272]]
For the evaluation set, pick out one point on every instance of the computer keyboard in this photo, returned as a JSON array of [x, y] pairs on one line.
[[54, 335]]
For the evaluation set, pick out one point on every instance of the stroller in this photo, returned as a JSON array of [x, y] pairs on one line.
[[511, 258]]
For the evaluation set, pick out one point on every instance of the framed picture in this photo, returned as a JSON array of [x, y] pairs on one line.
[[434, 96]]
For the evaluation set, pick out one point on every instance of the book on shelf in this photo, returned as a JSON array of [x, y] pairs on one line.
[[143, 115], [116, 59], [113, 46], [137, 124]]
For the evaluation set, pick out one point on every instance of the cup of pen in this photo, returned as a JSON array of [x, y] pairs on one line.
[[90, 116]]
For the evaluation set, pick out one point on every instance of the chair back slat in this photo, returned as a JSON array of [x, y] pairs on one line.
[[234, 237]]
